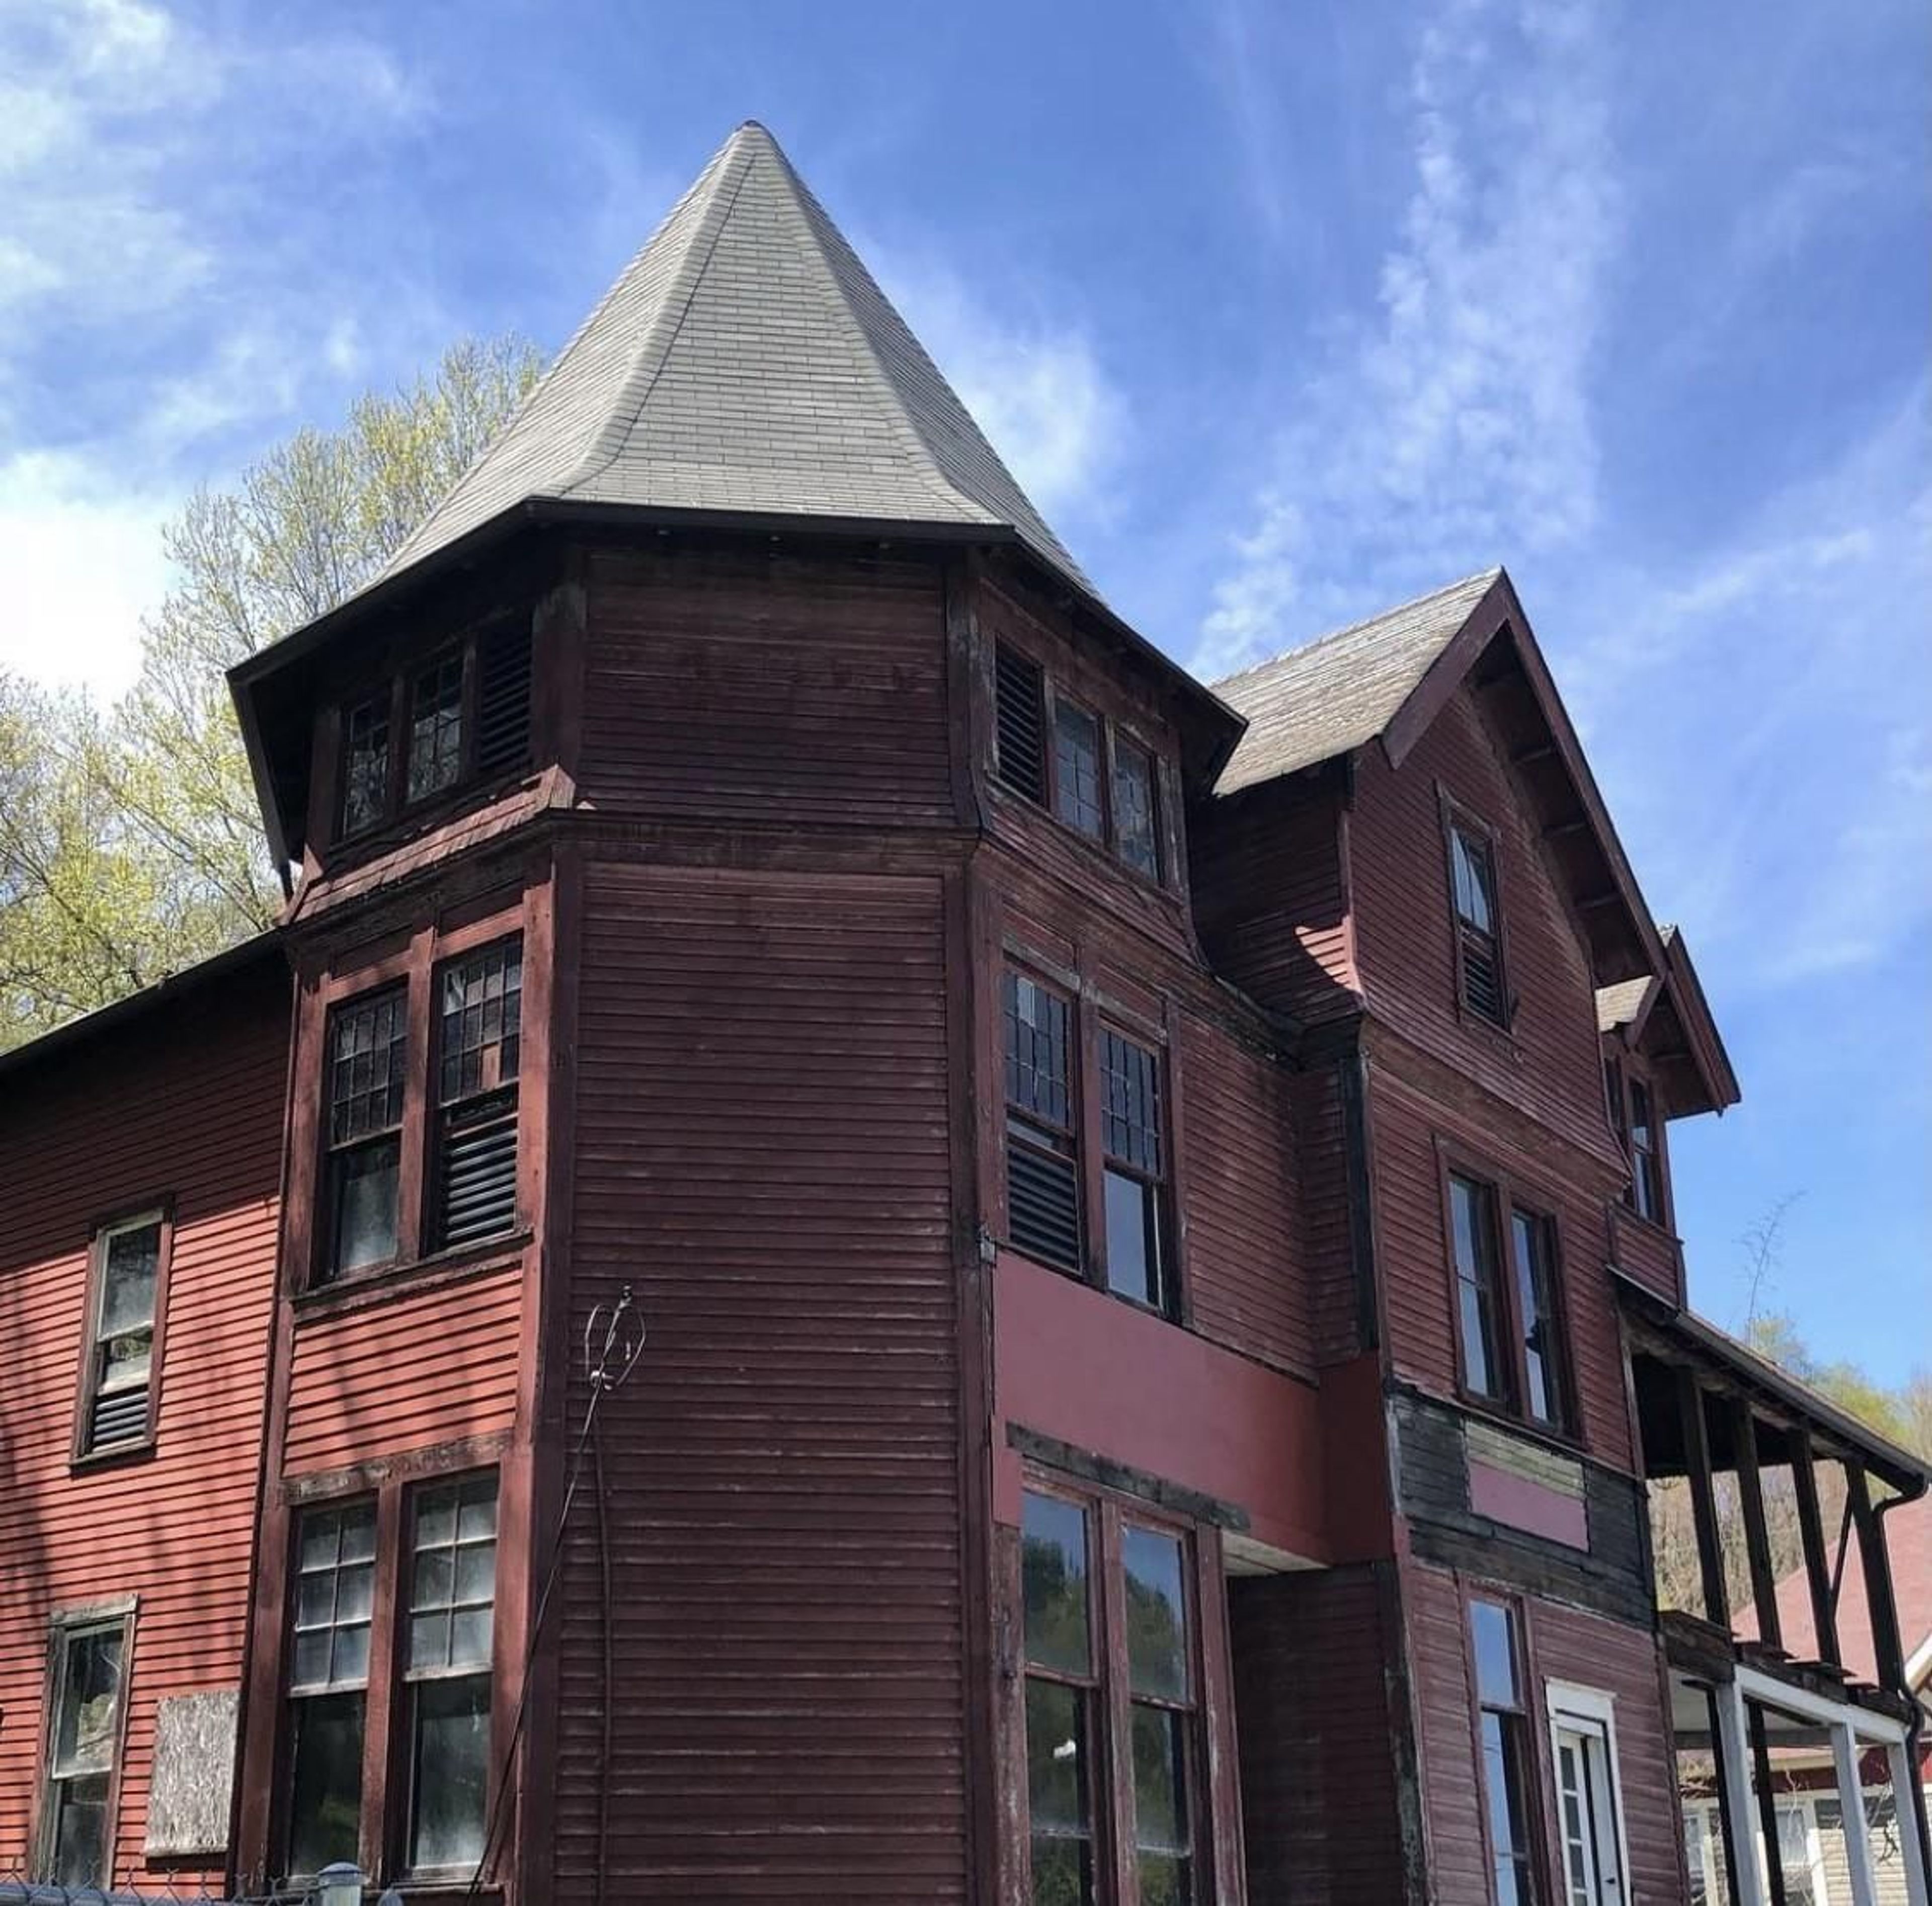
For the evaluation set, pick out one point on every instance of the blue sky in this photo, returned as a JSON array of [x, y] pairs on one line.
[[1282, 311]]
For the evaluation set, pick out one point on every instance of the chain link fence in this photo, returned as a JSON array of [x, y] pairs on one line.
[[341, 1886]]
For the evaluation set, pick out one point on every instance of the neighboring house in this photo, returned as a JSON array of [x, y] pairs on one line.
[[857, 1244]]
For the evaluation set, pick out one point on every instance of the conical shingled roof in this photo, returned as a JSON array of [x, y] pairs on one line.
[[745, 361]]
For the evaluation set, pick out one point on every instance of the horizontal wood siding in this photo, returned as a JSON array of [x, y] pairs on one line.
[[1549, 1064], [756, 686], [1446, 1738], [1646, 1252], [427, 1367], [186, 1103], [762, 1153], [1247, 1288], [1419, 1282], [1324, 1216], [1318, 1767]]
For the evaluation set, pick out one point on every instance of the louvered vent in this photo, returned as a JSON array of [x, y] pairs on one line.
[[119, 1416], [503, 700], [1042, 1205], [1482, 978], [1022, 738], [478, 1188]]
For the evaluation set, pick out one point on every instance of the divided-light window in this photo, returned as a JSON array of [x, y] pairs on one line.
[[1087, 771], [1495, 1648], [462, 714], [368, 1049], [1120, 1172], [88, 1678], [1481, 981], [1633, 1117], [479, 1000], [1508, 1319], [124, 1312]]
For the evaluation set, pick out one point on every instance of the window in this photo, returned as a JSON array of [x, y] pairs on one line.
[[88, 1673], [1646, 1155], [464, 715], [1042, 1164], [479, 1006], [1130, 1129], [1479, 951], [1092, 777], [1503, 1731], [1052, 1180], [124, 1306], [328, 1680], [452, 1599], [1510, 1326], [1799, 1858], [1111, 1682], [1589, 1823], [368, 1044]]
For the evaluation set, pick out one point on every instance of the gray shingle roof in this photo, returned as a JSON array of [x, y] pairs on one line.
[[1336, 694], [745, 361]]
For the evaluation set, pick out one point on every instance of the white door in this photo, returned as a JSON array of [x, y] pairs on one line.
[[1586, 1803]]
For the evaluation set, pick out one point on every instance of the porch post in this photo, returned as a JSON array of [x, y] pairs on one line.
[[1852, 1814], [1734, 1737], [1904, 1785], [1703, 1497]]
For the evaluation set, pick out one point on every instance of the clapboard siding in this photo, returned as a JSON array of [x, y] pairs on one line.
[[1646, 1252], [1418, 1279], [1319, 1794], [1550, 1066], [1319, 1099], [428, 1367], [1246, 1285], [1446, 1737], [762, 1153], [756, 686], [186, 1102]]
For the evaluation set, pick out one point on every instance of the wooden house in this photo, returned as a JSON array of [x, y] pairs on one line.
[[857, 1244]]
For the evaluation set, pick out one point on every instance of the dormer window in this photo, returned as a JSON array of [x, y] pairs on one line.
[[1479, 945], [1633, 1118], [462, 716], [1084, 770]]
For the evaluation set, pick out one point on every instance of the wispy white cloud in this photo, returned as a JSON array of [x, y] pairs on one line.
[[1455, 422]]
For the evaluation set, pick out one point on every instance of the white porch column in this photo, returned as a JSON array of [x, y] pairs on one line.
[[1904, 1777], [1740, 1807], [1852, 1814]]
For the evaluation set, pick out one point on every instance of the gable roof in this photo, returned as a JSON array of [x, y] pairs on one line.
[[745, 361], [1344, 689]]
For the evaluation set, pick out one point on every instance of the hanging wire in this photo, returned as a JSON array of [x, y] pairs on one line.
[[613, 1341]]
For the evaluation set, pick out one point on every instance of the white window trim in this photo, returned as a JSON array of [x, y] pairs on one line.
[[1567, 1700]]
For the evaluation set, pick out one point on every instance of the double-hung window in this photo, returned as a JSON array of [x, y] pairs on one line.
[[1111, 1683], [1481, 981], [479, 1002], [1084, 768], [1503, 1728], [1508, 1311], [117, 1409], [86, 1683], [368, 1048], [328, 1681], [1086, 1136], [1633, 1117]]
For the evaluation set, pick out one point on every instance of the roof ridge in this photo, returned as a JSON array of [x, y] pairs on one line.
[[1322, 641]]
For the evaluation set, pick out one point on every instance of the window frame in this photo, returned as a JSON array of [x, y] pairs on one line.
[[1111, 735], [1519, 1722], [65, 1626], [1089, 1024], [1571, 1706], [1108, 1516], [1507, 1196], [1624, 1076], [1457, 818], [327, 1273], [445, 1113], [84, 1452]]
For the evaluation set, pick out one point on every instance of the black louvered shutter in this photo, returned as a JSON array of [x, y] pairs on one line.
[[118, 1416], [503, 700], [478, 1194], [1482, 977], [1042, 1204], [1021, 724]]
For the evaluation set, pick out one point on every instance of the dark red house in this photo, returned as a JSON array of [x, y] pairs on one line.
[[857, 1244]]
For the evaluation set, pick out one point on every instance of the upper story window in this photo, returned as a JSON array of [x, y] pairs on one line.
[[1480, 979], [1092, 775], [463, 715], [410, 1164], [1508, 1318], [1495, 1648], [1633, 1117], [88, 1673], [1120, 1173], [125, 1307]]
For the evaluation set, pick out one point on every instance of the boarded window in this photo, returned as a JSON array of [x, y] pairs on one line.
[[328, 1677], [479, 1003], [119, 1393], [1076, 769], [1134, 1171], [83, 1740], [1020, 727], [194, 1774], [368, 1042], [1136, 830], [1479, 931], [1043, 1168]]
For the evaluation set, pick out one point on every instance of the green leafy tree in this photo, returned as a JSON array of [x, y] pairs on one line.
[[131, 844]]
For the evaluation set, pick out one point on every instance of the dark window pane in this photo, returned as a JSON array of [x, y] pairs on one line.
[[365, 764], [1530, 1238], [436, 727], [1134, 834], [1492, 1629], [368, 1050], [1473, 1236], [479, 1039], [1133, 1240], [1021, 725], [1063, 1871], [1130, 1113], [133, 1262], [366, 1208], [1160, 1780], [1038, 1054], [452, 1772], [1076, 741], [80, 1832], [1475, 881], [1157, 1613], [334, 1597], [453, 1576], [1057, 1776], [90, 1702], [1053, 1572], [326, 1782], [1166, 1879]]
